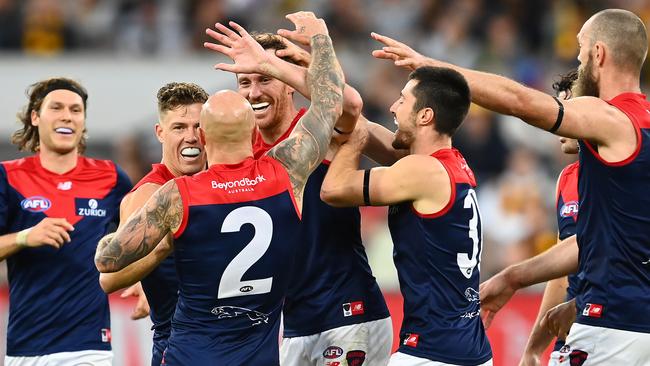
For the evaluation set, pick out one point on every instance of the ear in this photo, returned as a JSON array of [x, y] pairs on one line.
[[202, 136], [159, 131], [426, 116], [600, 52], [35, 118]]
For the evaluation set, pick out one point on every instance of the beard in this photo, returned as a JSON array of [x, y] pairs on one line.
[[586, 85]]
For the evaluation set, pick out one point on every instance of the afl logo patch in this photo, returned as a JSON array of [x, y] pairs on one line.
[[35, 204], [333, 352], [569, 209]]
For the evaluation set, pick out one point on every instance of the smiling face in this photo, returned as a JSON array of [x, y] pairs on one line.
[[61, 121], [183, 153], [404, 115], [271, 99]]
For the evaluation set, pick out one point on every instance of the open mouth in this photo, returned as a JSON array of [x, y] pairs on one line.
[[64, 131], [260, 107], [190, 152]]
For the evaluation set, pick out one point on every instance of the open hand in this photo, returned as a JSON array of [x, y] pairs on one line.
[[307, 26], [401, 54], [248, 55]]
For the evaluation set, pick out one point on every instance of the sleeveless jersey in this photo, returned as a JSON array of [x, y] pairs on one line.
[[332, 285], [161, 285], [437, 257], [55, 301], [614, 230], [567, 207], [234, 254]]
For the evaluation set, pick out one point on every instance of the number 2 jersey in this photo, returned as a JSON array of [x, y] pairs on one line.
[[437, 257], [332, 285], [614, 229], [55, 301], [234, 252], [161, 285]]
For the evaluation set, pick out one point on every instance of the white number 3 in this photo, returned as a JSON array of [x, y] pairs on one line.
[[231, 284], [465, 263]]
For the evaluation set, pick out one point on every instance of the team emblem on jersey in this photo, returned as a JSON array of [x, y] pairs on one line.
[[471, 295], [355, 358], [35, 204], [225, 312], [353, 308], [89, 207], [569, 209], [333, 352], [411, 339]]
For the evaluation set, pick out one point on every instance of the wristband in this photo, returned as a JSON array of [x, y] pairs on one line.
[[21, 237]]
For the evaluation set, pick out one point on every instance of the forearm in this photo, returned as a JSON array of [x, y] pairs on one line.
[[133, 273], [343, 185], [560, 260], [9, 245], [554, 294], [506, 96], [379, 147]]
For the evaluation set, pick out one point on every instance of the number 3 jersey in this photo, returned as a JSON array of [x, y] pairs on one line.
[[437, 258], [234, 253], [55, 302]]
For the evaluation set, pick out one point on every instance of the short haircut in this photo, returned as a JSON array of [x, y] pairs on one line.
[[446, 92], [271, 41], [27, 137], [566, 82], [625, 34], [174, 95]]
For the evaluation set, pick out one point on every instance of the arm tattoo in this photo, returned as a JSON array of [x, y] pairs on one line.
[[161, 214], [307, 145]]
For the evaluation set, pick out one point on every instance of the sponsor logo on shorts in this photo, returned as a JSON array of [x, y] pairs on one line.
[[89, 207], [355, 358], [332, 352], [411, 339], [35, 204], [333, 363], [353, 308], [237, 186], [106, 335], [593, 310], [578, 357], [569, 209]]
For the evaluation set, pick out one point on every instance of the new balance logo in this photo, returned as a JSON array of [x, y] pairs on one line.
[[593, 310]]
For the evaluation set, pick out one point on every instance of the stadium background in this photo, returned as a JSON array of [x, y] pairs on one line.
[[124, 50]]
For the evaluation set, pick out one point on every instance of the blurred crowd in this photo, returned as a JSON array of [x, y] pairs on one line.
[[532, 41]]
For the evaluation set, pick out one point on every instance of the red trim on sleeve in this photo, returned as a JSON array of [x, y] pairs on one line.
[[182, 189]]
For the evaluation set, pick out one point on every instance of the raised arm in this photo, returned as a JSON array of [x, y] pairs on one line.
[[136, 271], [250, 57], [584, 118], [145, 228], [307, 145]]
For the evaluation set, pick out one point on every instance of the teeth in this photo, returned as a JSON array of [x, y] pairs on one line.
[[395, 120], [191, 151], [64, 130], [258, 106]]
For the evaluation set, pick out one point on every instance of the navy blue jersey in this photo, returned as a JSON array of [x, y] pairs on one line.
[[161, 285], [437, 257], [333, 285], [55, 301], [234, 254], [567, 207], [614, 230]]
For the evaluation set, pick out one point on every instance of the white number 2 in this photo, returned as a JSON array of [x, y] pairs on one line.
[[231, 284], [465, 263]]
